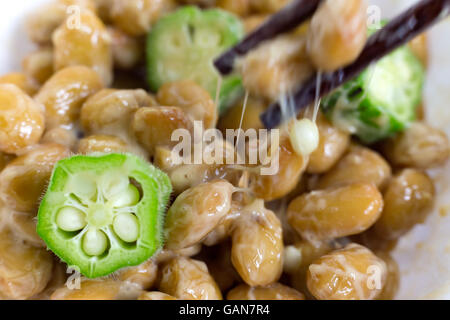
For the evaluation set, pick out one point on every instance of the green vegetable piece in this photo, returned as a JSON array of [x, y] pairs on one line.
[[380, 101], [104, 212], [183, 45]]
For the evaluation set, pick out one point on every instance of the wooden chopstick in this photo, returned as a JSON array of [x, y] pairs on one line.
[[285, 20], [396, 33]]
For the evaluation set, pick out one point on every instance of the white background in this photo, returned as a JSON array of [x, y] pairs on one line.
[[424, 254]]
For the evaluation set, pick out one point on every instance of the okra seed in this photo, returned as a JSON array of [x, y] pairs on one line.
[[95, 242], [304, 136], [83, 185], [70, 219], [113, 184], [206, 38], [129, 197], [126, 226]]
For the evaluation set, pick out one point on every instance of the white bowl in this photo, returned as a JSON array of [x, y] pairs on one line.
[[424, 253]]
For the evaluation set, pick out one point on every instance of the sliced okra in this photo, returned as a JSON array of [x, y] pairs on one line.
[[382, 100], [102, 213], [183, 45]]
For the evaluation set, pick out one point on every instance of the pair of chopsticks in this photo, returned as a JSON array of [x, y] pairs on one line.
[[396, 33]]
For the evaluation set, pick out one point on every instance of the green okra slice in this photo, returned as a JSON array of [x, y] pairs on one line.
[[104, 212], [184, 44], [382, 100]]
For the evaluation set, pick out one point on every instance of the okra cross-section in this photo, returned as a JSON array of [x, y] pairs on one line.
[[102, 213], [183, 45], [382, 100]]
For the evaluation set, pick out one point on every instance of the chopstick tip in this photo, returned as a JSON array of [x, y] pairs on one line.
[[225, 63], [271, 118]]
